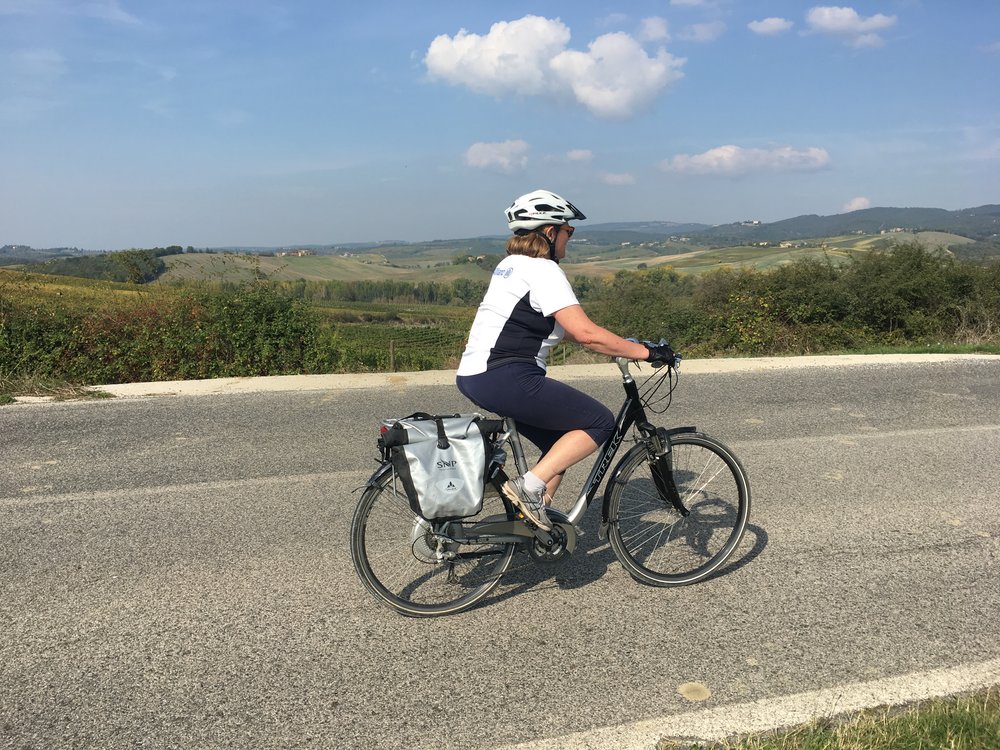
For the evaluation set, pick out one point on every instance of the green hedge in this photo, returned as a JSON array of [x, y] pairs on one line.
[[247, 331], [903, 297]]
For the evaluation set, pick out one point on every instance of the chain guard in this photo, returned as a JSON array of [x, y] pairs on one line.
[[563, 540]]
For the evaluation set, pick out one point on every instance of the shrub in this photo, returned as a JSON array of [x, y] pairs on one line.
[[249, 330], [904, 295]]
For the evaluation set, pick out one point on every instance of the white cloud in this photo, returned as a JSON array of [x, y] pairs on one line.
[[621, 178], [614, 78], [734, 160], [770, 26], [703, 32], [512, 58], [654, 29], [847, 24], [580, 154], [505, 156], [856, 204]]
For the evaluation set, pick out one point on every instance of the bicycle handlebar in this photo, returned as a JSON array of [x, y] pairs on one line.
[[674, 363]]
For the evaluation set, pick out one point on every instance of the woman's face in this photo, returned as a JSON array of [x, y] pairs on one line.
[[560, 237]]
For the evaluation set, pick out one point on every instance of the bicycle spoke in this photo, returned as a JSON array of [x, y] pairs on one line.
[[701, 487], [413, 569], [654, 531], [654, 542]]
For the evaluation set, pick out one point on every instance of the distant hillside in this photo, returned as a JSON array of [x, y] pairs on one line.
[[643, 230], [436, 251], [982, 223], [12, 255]]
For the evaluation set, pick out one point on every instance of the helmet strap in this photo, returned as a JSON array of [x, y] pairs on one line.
[[551, 243]]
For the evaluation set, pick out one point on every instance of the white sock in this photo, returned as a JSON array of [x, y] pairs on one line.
[[532, 483]]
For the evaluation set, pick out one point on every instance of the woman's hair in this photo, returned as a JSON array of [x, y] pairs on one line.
[[532, 244]]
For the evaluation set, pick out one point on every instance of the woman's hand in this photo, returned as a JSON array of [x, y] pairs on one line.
[[661, 354]]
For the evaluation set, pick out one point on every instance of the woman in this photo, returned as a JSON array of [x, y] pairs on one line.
[[528, 309]]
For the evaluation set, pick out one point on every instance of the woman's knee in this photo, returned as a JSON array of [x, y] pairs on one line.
[[603, 427]]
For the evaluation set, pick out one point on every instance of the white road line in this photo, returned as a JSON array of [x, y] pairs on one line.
[[775, 713], [868, 435], [353, 478]]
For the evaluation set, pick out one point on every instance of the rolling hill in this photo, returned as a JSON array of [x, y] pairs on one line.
[[980, 223], [611, 242]]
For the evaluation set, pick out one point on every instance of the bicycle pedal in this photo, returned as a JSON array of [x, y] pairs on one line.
[[537, 530], [524, 519]]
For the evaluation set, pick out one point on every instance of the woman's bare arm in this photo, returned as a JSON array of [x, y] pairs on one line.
[[582, 330]]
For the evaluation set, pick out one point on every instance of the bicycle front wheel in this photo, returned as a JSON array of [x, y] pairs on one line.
[[656, 543], [410, 566]]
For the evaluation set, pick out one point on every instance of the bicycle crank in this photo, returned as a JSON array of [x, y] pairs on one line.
[[563, 535]]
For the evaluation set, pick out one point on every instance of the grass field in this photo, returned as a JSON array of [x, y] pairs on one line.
[[66, 291], [237, 268], [594, 261]]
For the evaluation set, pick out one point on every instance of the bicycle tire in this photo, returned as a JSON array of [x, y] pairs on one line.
[[392, 549], [651, 539]]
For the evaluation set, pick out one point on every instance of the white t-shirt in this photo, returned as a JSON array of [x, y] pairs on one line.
[[515, 321]]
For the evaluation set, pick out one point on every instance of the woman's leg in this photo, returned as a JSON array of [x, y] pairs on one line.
[[566, 424], [571, 448]]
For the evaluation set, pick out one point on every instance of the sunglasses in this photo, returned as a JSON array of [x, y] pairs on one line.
[[568, 229]]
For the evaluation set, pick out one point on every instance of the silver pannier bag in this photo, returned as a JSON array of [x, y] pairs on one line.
[[441, 461]]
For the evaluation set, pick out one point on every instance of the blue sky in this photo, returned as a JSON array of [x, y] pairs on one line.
[[252, 122]]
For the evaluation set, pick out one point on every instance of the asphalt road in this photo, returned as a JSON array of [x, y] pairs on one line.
[[174, 572]]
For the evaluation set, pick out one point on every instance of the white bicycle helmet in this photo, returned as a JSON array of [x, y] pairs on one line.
[[538, 208]]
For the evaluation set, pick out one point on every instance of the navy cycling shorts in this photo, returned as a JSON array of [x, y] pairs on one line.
[[543, 409]]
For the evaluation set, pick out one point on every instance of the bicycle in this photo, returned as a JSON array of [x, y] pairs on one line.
[[675, 508]]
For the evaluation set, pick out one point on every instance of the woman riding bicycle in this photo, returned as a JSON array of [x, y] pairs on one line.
[[528, 309]]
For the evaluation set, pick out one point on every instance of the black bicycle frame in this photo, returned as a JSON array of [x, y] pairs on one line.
[[631, 413]]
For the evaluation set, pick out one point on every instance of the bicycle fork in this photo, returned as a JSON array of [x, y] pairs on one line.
[[661, 466]]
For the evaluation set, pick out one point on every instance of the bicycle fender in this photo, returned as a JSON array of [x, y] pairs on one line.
[[613, 478], [383, 469], [679, 430]]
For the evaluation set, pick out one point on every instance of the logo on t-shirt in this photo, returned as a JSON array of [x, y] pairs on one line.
[[503, 273]]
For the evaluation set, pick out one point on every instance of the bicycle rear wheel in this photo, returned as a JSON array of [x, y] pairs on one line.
[[657, 544], [407, 566]]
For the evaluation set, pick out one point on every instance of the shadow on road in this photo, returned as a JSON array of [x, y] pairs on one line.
[[591, 561]]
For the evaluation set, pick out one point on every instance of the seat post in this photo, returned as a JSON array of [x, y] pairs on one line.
[[520, 462]]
